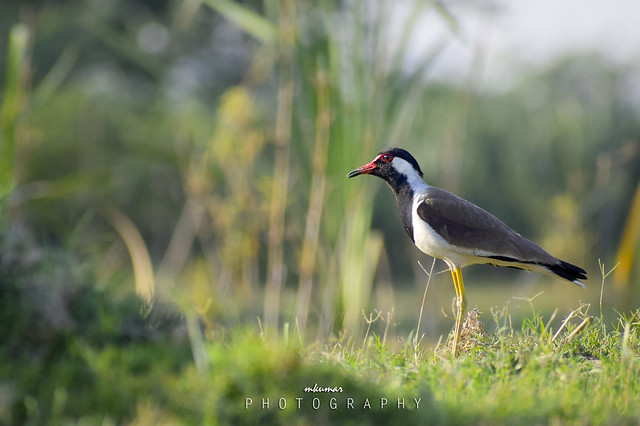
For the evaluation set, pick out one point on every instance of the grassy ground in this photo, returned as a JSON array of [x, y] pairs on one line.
[[96, 361], [514, 376]]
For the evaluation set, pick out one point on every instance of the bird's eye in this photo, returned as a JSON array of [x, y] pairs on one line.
[[387, 158]]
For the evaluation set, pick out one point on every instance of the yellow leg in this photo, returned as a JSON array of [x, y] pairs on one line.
[[461, 305]]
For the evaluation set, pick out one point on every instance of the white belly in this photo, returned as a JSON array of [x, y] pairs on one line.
[[433, 244]]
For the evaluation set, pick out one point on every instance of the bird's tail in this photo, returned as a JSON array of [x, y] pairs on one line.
[[569, 272]]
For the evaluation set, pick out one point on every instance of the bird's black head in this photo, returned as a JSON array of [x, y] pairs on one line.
[[391, 164], [403, 175]]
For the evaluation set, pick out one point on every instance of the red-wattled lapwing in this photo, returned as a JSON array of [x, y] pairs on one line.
[[448, 227]]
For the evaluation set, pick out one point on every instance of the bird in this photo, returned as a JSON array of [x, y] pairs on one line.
[[448, 227]]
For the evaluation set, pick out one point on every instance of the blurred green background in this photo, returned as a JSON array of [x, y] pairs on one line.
[[194, 153]]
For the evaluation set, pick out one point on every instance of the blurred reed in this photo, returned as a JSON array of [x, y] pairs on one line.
[[140, 259], [627, 275], [14, 101], [276, 268], [316, 197]]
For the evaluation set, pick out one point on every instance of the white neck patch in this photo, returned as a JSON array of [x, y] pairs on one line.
[[413, 177]]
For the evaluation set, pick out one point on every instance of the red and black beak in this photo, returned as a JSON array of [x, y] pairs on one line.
[[363, 170]]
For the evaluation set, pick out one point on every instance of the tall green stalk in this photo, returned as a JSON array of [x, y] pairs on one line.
[[316, 196], [280, 186], [14, 101]]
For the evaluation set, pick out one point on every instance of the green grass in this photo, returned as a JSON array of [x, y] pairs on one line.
[[515, 376], [75, 353], [96, 360]]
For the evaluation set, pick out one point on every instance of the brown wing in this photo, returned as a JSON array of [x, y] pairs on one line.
[[466, 225]]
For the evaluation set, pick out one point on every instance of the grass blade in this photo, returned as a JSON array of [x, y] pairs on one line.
[[14, 102], [254, 24], [140, 259]]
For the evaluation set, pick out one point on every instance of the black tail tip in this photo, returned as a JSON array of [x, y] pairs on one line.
[[569, 272]]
